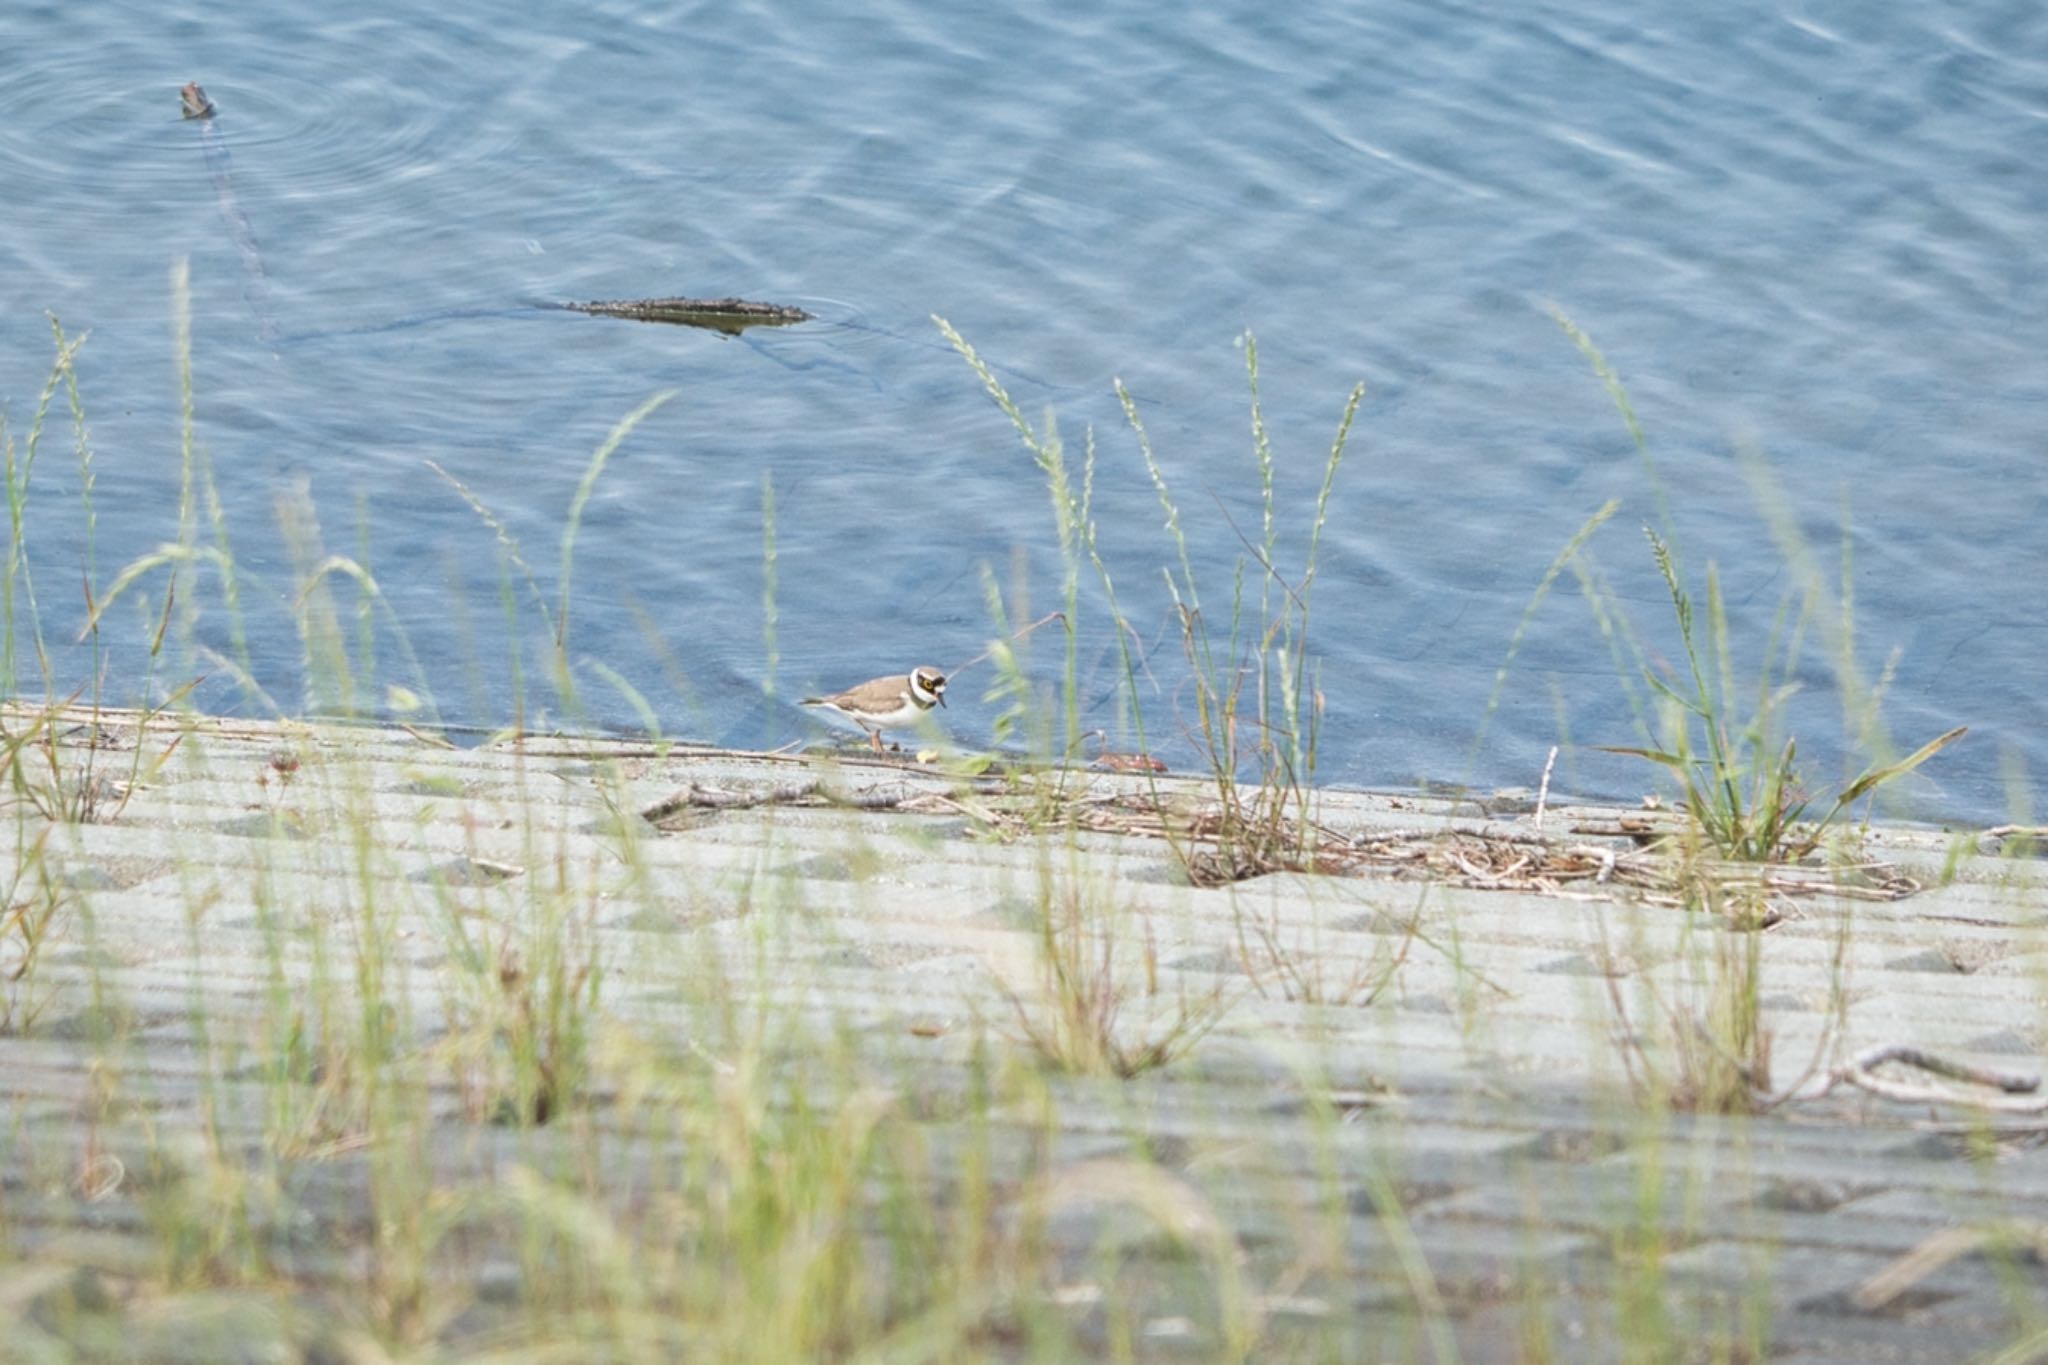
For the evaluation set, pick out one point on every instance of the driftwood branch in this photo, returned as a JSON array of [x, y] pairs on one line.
[[698, 796], [2019, 1093]]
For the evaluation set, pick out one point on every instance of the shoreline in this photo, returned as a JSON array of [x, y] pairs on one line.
[[1391, 1107]]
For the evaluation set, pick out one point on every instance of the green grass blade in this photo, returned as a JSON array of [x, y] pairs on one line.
[[1877, 777]]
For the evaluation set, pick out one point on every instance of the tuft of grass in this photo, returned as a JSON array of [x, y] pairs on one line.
[[1074, 525], [1699, 1042], [44, 782], [1690, 1034], [1305, 965], [28, 921], [1689, 1022], [1742, 793], [1077, 1019], [1258, 708], [1257, 705], [520, 1040], [1738, 784]]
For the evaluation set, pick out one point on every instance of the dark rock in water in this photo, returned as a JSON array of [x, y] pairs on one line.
[[731, 316], [193, 101]]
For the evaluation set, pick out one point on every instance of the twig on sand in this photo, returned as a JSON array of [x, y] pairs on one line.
[[2019, 1092], [694, 795]]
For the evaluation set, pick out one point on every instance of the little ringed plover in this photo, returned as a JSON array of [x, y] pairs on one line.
[[887, 703]]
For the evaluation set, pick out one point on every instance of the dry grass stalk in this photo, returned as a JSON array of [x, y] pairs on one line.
[[1078, 1022]]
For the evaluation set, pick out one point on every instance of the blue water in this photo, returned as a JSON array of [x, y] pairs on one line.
[[1809, 231]]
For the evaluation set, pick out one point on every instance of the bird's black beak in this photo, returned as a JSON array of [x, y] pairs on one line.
[[941, 695]]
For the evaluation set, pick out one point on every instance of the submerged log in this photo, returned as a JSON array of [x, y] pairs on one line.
[[731, 316]]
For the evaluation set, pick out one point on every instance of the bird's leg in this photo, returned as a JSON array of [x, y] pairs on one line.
[[875, 738]]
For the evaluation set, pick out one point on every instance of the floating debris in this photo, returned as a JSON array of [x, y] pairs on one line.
[[255, 279], [731, 316]]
